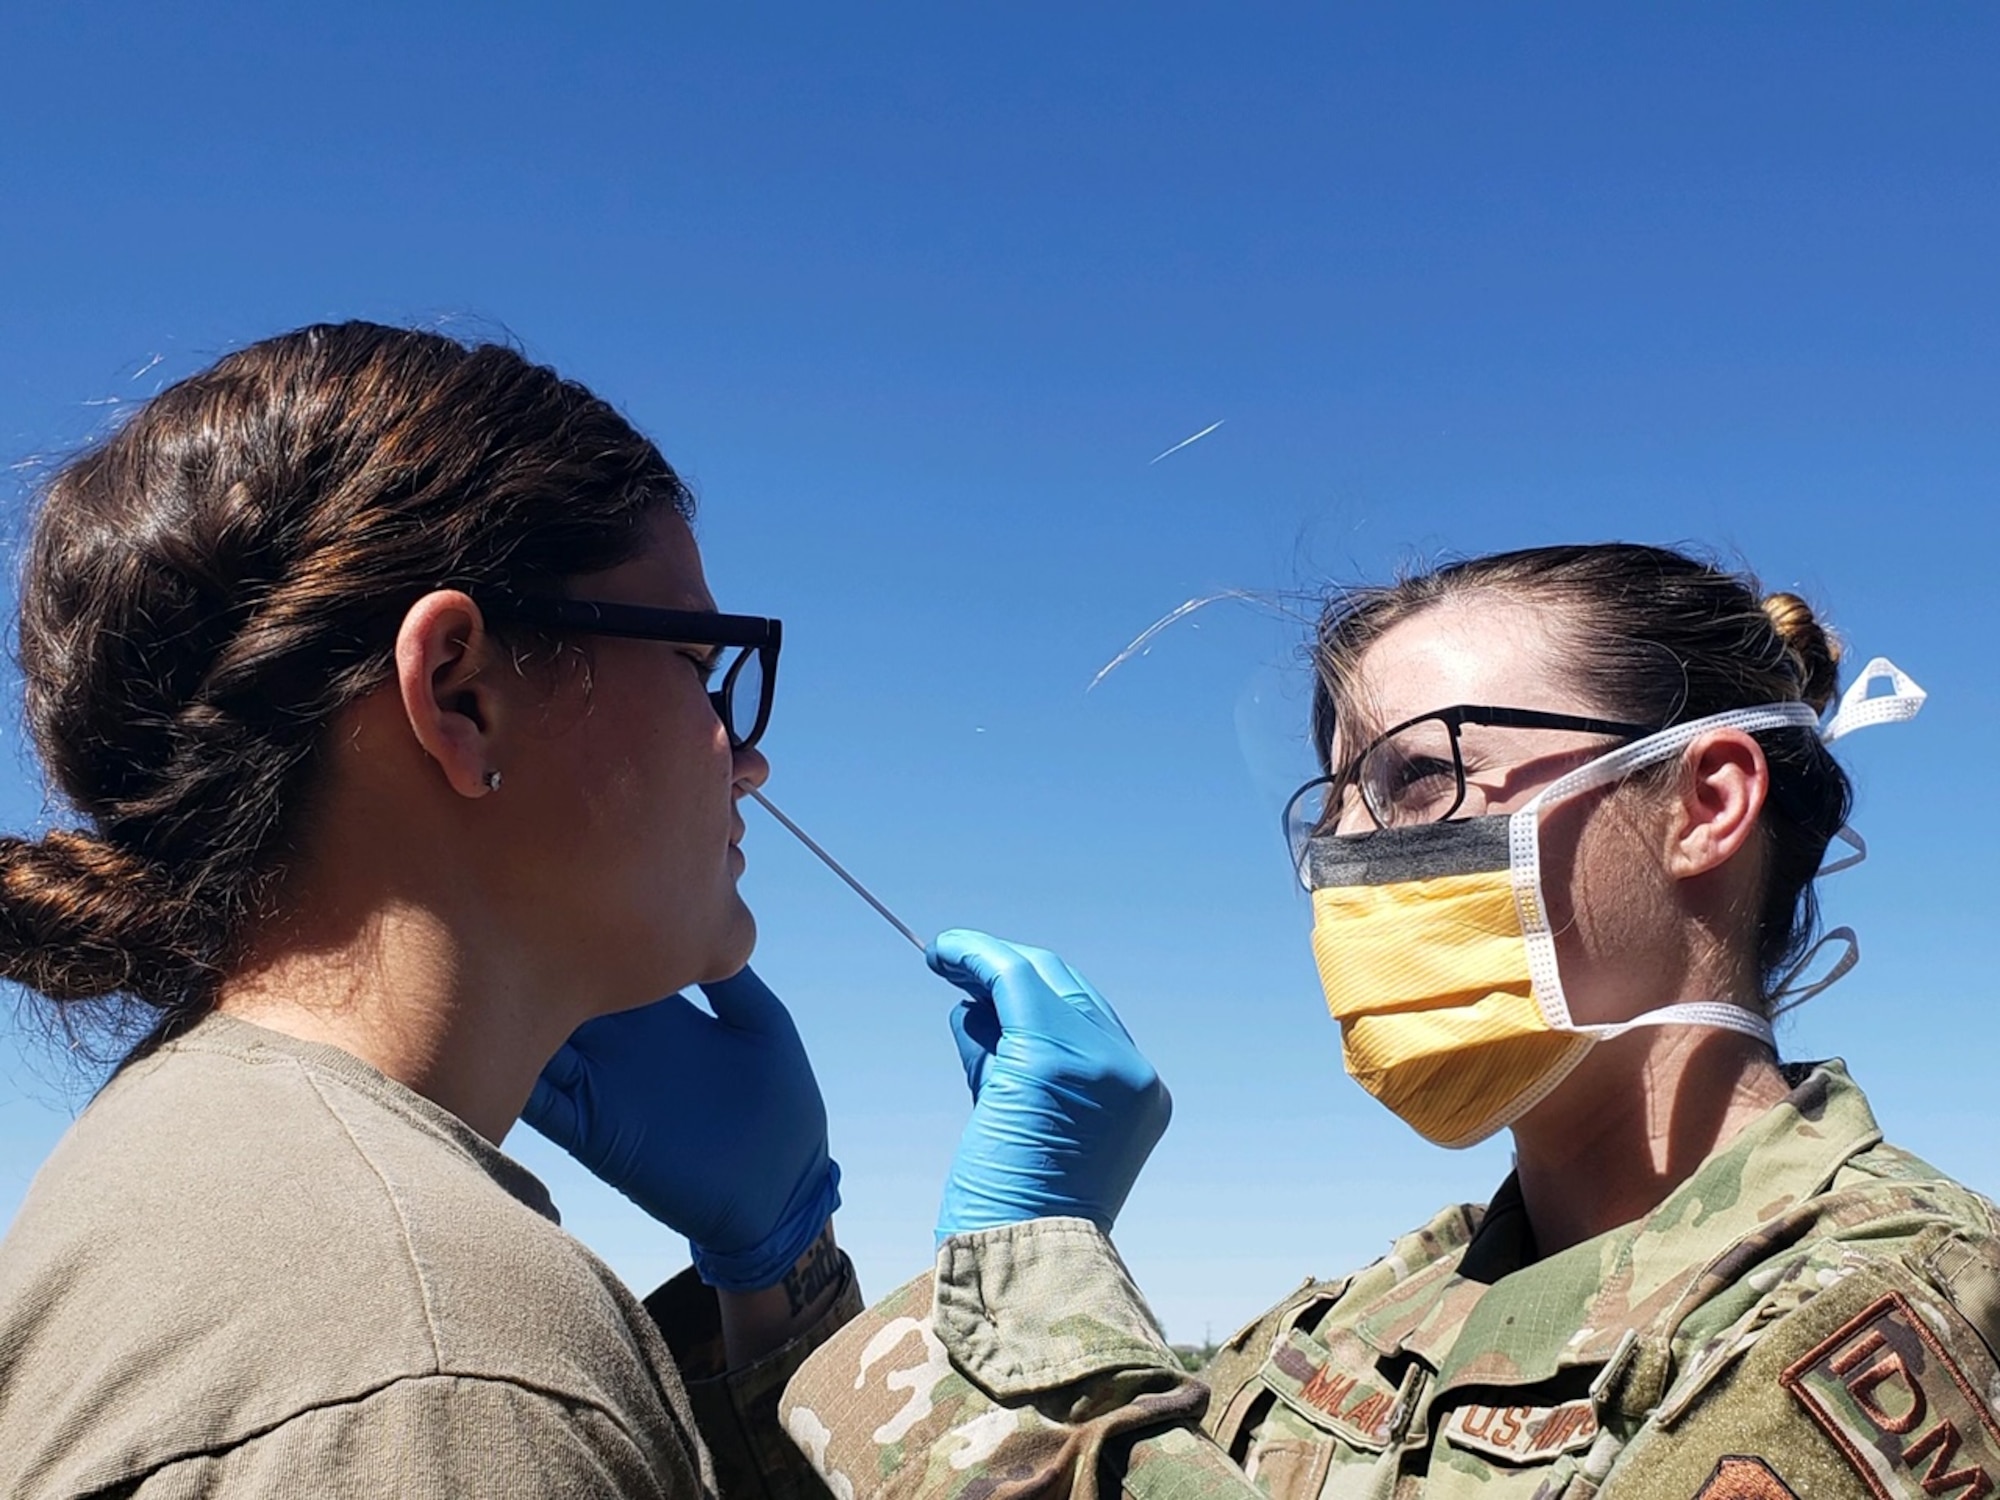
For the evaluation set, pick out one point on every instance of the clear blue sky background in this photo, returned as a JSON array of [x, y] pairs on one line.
[[913, 294]]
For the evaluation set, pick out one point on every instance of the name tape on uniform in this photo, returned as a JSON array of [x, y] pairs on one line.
[[1523, 1434]]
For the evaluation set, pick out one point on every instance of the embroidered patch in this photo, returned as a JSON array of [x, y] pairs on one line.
[[1356, 1404], [1897, 1404], [1351, 1402], [1737, 1478], [1522, 1434]]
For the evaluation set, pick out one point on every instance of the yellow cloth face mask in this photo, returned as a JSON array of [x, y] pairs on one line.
[[1425, 967]]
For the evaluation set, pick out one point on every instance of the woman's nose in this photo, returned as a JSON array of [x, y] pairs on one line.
[[752, 769]]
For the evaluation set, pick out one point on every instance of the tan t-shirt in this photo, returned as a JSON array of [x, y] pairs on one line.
[[257, 1266]]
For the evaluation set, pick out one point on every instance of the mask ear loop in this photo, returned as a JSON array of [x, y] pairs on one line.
[[1845, 834], [1857, 710], [1790, 994]]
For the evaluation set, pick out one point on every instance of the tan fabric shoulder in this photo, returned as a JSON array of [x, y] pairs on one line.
[[455, 1437], [1868, 1365], [243, 1229]]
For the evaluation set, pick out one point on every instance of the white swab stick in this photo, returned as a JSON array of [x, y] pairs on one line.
[[834, 865]]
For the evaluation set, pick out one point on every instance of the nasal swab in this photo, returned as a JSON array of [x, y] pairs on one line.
[[834, 865]]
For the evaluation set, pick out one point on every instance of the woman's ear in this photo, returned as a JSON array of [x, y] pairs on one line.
[[444, 661], [1722, 791]]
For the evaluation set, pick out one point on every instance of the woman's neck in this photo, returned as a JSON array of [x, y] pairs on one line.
[[1635, 1120], [413, 994]]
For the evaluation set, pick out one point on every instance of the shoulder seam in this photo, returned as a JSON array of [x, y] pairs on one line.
[[395, 1207], [550, 1394]]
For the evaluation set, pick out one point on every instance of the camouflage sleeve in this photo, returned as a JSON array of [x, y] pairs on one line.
[[1881, 1384], [736, 1411], [1028, 1365]]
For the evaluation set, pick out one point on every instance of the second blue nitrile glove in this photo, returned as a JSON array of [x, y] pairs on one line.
[[713, 1124], [1065, 1108]]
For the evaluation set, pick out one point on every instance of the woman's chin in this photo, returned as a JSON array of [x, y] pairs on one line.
[[718, 948], [735, 942]]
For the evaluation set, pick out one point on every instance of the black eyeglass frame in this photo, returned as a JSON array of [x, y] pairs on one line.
[[1454, 718], [642, 622]]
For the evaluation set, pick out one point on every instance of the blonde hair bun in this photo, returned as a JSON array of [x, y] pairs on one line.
[[1815, 648]]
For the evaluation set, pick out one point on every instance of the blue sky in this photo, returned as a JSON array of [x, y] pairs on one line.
[[913, 294]]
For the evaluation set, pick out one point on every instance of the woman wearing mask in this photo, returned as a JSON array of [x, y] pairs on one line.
[[1560, 865], [404, 738]]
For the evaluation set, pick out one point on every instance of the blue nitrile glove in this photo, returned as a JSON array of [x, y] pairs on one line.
[[1065, 1108], [713, 1124]]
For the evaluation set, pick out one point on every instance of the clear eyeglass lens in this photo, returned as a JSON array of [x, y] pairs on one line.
[[744, 689], [1412, 777], [1303, 821], [1316, 812]]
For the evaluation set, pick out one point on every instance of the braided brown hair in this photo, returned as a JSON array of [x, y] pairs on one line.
[[209, 586]]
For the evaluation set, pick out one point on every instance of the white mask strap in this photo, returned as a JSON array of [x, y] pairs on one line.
[[1858, 710], [1654, 748], [1855, 843], [1524, 848], [1715, 1013], [1791, 994]]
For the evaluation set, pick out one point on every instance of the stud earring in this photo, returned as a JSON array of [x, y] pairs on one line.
[[492, 781]]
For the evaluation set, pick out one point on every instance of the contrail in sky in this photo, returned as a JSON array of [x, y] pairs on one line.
[[1185, 441]]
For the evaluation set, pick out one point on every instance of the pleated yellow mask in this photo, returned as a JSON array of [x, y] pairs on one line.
[[1425, 965]]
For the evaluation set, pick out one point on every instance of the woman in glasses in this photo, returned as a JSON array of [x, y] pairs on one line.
[[400, 738], [1562, 869]]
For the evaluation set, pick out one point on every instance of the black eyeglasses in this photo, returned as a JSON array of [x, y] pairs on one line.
[[742, 702], [1414, 773]]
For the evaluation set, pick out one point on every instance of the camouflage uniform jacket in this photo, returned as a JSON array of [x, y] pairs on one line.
[[1811, 1314]]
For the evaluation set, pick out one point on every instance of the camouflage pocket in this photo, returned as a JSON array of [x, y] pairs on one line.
[[1288, 1468], [1337, 1389]]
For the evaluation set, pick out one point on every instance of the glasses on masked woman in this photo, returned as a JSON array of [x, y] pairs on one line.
[[1415, 773], [742, 700]]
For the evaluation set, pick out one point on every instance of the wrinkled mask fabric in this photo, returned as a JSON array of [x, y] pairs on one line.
[[1438, 961], [1418, 938]]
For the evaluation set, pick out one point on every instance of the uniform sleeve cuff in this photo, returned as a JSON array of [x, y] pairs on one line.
[[1036, 1306]]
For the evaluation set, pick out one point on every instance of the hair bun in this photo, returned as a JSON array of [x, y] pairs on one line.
[[1815, 648]]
